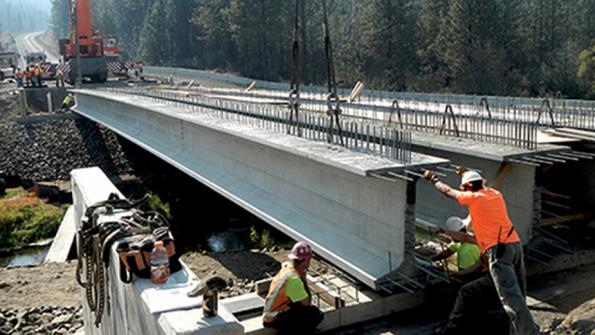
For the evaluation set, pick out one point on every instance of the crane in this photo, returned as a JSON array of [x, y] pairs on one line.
[[95, 52]]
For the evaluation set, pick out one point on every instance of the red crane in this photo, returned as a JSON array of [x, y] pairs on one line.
[[95, 54]]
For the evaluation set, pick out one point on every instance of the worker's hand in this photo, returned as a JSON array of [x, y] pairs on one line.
[[431, 176], [461, 169]]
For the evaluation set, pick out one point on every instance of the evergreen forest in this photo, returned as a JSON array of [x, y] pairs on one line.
[[499, 47]]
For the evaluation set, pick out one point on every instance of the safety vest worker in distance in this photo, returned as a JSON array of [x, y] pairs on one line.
[[286, 287]]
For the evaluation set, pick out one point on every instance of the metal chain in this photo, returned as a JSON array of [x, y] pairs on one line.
[[294, 93], [333, 101]]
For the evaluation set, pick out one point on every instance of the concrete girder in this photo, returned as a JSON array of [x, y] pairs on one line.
[[308, 190]]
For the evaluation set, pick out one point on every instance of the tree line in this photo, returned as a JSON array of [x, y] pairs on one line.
[[503, 47]]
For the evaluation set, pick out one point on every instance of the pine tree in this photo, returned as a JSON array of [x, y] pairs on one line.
[[216, 47]]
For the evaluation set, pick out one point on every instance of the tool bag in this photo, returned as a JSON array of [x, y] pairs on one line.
[[102, 225], [135, 254]]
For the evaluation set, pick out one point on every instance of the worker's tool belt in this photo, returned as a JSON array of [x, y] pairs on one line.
[[135, 254], [114, 220]]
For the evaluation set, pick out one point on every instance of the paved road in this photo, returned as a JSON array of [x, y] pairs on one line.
[[28, 42]]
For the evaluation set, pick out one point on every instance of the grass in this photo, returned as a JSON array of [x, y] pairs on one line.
[[265, 238], [158, 205], [24, 218]]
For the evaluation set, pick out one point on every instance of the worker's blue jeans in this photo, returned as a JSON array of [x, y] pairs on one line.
[[474, 300], [507, 269]]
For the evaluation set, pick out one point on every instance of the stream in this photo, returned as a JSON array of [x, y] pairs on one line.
[[25, 256]]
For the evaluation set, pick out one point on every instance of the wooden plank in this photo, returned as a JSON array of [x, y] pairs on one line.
[[564, 219], [329, 295], [501, 174]]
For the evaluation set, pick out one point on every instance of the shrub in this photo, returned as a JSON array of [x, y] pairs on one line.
[[26, 219]]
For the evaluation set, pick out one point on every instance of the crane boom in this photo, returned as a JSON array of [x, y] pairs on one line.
[[94, 54]]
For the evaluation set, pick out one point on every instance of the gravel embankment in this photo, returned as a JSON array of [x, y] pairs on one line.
[[50, 150]]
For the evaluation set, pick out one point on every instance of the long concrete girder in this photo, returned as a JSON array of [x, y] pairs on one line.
[[309, 190]]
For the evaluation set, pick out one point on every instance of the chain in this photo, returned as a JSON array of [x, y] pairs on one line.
[[333, 101], [294, 93]]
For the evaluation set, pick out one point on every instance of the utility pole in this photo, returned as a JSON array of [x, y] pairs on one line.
[[75, 14]]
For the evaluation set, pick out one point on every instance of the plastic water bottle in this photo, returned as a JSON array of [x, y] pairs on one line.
[[159, 264]]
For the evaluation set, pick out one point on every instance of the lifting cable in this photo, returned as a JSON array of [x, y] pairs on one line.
[[332, 99], [294, 90]]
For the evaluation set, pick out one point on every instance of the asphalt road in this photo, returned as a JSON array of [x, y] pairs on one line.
[[27, 42]]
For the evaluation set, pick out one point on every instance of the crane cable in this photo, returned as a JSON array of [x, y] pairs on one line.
[[332, 99], [294, 90]]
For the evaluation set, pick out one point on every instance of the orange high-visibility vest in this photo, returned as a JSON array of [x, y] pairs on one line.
[[276, 301], [489, 215]]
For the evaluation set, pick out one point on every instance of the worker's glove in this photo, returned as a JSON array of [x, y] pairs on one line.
[[431, 176], [461, 169]]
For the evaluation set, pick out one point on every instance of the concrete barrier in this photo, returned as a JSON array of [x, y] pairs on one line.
[[128, 309]]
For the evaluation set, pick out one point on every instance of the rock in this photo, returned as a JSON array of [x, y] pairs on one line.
[[59, 320], [580, 321], [4, 284], [47, 317]]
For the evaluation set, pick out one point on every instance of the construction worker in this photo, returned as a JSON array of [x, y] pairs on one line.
[[37, 73], [59, 78], [19, 77], [498, 242], [28, 76], [287, 306], [468, 254], [68, 103]]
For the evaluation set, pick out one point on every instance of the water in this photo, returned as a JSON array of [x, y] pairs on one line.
[[25, 256], [226, 241]]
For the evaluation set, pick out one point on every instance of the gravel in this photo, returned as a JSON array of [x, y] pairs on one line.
[[50, 150], [41, 320]]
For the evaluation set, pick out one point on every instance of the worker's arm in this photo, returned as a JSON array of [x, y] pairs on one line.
[[440, 186], [447, 190], [296, 291], [461, 237]]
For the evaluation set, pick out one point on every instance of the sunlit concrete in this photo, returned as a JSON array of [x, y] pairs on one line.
[[309, 190]]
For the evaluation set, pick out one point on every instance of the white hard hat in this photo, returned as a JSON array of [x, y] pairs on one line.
[[470, 176], [300, 251], [454, 223]]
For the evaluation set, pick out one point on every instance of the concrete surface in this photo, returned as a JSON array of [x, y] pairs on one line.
[[127, 309], [64, 239], [37, 96], [309, 190]]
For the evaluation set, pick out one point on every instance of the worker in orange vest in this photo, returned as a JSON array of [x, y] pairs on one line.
[[287, 306], [28, 76], [498, 243], [37, 73]]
